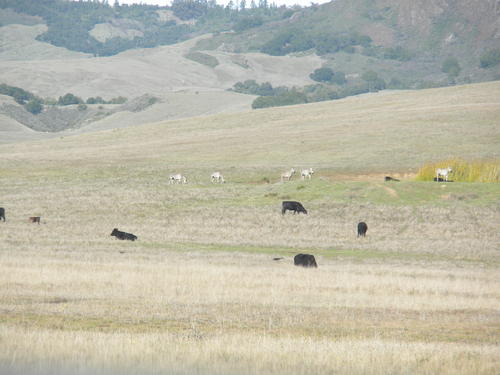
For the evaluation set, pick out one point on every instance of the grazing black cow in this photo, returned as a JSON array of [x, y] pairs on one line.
[[305, 260], [2, 213], [35, 219], [389, 178], [292, 206], [362, 228], [123, 235]]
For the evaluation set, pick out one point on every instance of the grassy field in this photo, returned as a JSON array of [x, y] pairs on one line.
[[200, 293]]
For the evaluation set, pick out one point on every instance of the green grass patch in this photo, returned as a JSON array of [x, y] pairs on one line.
[[203, 58]]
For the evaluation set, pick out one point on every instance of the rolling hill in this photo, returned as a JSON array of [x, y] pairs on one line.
[[405, 44], [393, 131]]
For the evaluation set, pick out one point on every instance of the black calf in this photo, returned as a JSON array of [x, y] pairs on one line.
[[123, 235]]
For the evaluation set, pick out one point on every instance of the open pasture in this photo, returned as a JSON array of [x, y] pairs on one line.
[[199, 291]]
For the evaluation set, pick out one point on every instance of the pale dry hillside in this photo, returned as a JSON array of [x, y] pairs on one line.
[[375, 133], [185, 88], [135, 72]]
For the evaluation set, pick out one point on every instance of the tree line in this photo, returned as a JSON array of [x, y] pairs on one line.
[[35, 104]]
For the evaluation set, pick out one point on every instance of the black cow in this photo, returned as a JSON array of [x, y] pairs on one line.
[[2, 213], [123, 235], [292, 206], [305, 260], [362, 228], [389, 178]]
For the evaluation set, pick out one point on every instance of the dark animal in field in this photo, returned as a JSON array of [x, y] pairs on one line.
[[35, 219], [441, 179], [123, 235], [362, 228], [389, 178], [2, 213], [305, 260], [296, 207]]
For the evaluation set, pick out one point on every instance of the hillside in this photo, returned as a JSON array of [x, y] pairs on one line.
[[364, 46], [408, 40], [183, 87], [375, 133]]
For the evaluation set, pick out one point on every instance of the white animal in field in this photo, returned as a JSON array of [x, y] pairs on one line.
[[443, 172], [307, 173], [287, 176], [217, 177], [177, 179]]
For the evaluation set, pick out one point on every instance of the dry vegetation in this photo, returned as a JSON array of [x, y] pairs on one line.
[[199, 293], [464, 171]]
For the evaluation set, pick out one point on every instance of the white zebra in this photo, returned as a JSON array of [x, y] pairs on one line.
[[177, 179], [217, 177], [443, 172], [287, 176], [307, 173]]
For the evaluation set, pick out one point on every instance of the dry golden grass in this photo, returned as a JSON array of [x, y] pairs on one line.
[[199, 293], [475, 171]]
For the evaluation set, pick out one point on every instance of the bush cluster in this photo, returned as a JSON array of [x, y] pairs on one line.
[[35, 105], [295, 39], [490, 58]]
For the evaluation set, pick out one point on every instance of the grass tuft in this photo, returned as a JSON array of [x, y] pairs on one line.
[[463, 171]]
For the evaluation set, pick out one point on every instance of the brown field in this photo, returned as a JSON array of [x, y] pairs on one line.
[[199, 292]]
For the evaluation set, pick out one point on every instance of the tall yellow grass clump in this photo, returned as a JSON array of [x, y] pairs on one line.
[[463, 171]]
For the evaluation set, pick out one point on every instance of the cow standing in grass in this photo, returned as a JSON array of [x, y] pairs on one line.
[[362, 228], [2, 213], [35, 219], [305, 260], [443, 172]]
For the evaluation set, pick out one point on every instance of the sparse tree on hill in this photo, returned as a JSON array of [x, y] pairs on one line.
[[451, 67]]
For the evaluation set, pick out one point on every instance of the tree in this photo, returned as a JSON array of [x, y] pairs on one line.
[[339, 78], [248, 23], [34, 106], [451, 67], [322, 75], [374, 82], [490, 58], [69, 99]]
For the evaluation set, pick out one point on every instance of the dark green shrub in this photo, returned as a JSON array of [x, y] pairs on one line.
[[34, 106], [322, 75], [490, 58], [69, 99]]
